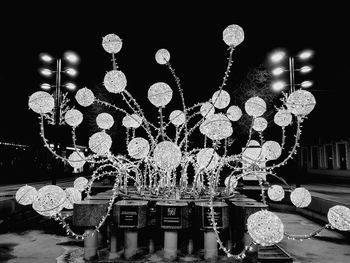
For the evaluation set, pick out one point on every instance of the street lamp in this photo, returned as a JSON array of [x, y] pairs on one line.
[[278, 56], [72, 59]]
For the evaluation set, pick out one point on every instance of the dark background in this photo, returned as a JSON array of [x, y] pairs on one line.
[[192, 34]]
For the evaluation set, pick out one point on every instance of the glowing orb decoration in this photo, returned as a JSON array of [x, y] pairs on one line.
[[220, 99], [160, 94], [85, 97], [104, 120], [132, 121], [255, 106], [275, 192], [112, 43], [283, 118], [115, 81], [167, 155], [100, 143], [207, 109], [50, 200], [271, 150], [339, 217], [162, 56], [301, 102], [138, 148], [234, 113], [260, 124], [41, 102], [207, 159], [231, 182], [73, 117], [76, 159], [216, 127], [80, 183], [233, 35], [73, 196], [177, 117], [253, 153], [265, 228], [300, 197], [26, 195]]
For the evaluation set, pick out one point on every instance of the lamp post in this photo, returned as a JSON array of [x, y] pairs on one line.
[[72, 59], [278, 56]]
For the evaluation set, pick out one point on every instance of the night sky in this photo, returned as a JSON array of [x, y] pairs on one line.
[[193, 35]]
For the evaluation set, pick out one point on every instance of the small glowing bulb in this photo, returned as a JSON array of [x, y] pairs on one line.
[[305, 69], [277, 56], [277, 71], [306, 84], [278, 86], [45, 86], [70, 86], [306, 54], [46, 58], [71, 71]]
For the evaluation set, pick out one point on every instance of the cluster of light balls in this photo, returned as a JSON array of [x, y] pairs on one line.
[[264, 227], [51, 199]]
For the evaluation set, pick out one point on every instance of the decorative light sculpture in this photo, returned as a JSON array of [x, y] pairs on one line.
[[265, 228], [275, 192], [300, 197], [50, 200], [41, 102], [73, 117], [163, 161], [104, 121], [339, 217], [26, 194], [73, 195]]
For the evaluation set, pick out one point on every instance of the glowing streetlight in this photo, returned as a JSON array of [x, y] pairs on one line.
[[306, 84], [46, 57], [278, 85], [70, 86], [278, 71], [278, 56], [71, 56], [71, 72], [45, 86], [45, 72], [306, 54], [305, 69]]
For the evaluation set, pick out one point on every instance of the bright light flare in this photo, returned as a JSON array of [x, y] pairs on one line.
[[278, 71], [71, 57], [306, 54], [278, 56], [278, 85], [70, 86], [46, 57], [45, 86], [306, 84]]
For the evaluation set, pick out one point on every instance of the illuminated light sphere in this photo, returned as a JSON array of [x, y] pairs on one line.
[[271, 150], [104, 120], [220, 99], [112, 43], [73, 117], [339, 217], [76, 159], [265, 228], [300, 197], [207, 159], [167, 155], [301, 102], [162, 56], [73, 196], [234, 113], [275, 192], [253, 153], [26, 195], [85, 97], [207, 109], [260, 124], [138, 148], [100, 143], [216, 127], [232, 180], [255, 106], [233, 35], [115, 81], [41, 102], [177, 117], [160, 94], [80, 183], [132, 121], [283, 118], [50, 200]]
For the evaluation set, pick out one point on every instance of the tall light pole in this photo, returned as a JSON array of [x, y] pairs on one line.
[[277, 57], [72, 59]]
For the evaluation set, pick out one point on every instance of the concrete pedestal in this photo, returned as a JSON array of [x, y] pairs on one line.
[[90, 244], [170, 244], [210, 245], [130, 243]]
